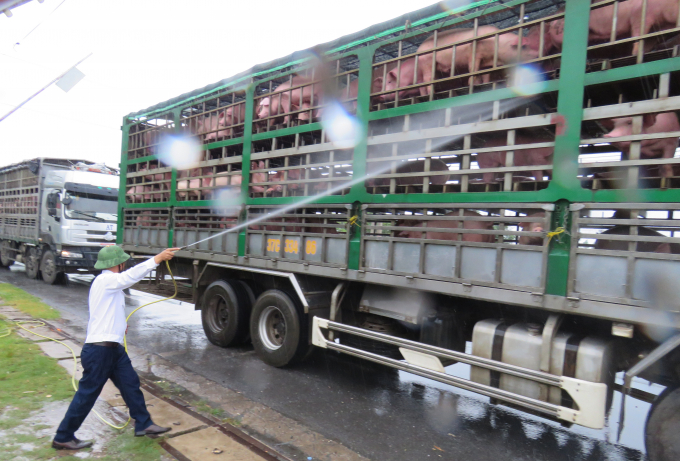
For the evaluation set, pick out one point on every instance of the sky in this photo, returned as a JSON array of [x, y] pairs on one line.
[[145, 52]]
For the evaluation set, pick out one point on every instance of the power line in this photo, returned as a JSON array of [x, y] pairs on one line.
[[38, 25]]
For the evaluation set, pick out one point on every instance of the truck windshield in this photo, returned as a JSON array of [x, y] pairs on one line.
[[91, 207]]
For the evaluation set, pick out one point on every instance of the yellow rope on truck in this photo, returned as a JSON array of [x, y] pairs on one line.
[[19, 323], [557, 231]]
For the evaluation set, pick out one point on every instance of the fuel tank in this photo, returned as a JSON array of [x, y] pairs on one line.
[[584, 357]]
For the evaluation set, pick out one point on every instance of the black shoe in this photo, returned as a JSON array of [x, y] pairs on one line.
[[74, 444], [152, 430]]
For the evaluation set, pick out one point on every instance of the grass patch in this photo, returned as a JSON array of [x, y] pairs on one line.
[[16, 297], [232, 421], [24, 368], [127, 447], [202, 406], [123, 447], [27, 377]]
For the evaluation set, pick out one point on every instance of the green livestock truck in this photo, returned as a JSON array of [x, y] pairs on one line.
[[494, 185]]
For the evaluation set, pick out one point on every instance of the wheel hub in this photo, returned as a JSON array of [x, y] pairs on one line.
[[272, 328], [49, 266], [220, 317]]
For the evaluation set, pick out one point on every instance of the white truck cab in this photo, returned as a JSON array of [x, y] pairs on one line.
[[59, 224]]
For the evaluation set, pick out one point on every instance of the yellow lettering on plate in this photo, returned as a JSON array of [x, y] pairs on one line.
[[310, 247], [273, 245], [291, 246]]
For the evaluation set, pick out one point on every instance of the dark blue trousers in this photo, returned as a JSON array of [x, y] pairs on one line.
[[99, 364]]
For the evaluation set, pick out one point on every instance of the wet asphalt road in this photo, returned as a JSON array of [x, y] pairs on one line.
[[380, 413]]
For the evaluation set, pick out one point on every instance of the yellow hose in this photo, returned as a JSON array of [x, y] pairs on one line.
[[19, 323]]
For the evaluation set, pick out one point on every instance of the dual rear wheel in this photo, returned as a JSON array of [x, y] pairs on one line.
[[5, 254], [274, 321], [662, 431]]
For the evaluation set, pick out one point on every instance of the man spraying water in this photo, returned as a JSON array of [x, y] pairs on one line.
[[103, 355]]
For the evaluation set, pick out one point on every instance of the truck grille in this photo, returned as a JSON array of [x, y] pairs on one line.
[[99, 236]]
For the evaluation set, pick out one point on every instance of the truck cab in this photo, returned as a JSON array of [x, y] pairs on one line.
[[78, 217]]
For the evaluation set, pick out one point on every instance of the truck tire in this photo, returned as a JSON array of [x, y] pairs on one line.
[[48, 269], [250, 302], [32, 264], [663, 427], [224, 313], [278, 328], [5, 260]]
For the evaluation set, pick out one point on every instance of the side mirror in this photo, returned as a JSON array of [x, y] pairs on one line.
[[66, 200]]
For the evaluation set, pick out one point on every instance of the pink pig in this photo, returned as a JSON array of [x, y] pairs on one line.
[[229, 118], [524, 157], [352, 90], [399, 77], [652, 148], [508, 51], [599, 25], [281, 101], [660, 15], [293, 175], [259, 177], [532, 227]]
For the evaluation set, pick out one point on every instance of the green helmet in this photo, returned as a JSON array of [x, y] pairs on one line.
[[111, 256]]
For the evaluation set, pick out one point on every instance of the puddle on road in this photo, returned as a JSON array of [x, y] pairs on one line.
[[448, 410]]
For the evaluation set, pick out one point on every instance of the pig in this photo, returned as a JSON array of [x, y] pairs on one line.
[[229, 118], [532, 227], [134, 194], [144, 219], [161, 183], [652, 148], [281, 102], [293, 175], [417, 166], [660, 15], [434, 235], [188, 184], [508, 51], [599, 25], [352, 90], [228, 223], [524, 157], [646, 247], [259, 177], [225, 181], [297, 174], [315, 226], [398, 77]]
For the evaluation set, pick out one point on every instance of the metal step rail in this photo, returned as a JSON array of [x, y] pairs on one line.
[[423, 360]]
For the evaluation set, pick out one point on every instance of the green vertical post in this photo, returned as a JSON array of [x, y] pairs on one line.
[[360, 150], [172, 203], [123, 179], [245, 160], [568, 135]]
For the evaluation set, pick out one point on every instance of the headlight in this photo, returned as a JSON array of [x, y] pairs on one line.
[[71, 254]]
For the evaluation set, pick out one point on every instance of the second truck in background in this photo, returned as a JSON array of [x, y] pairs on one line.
[[55, 215]]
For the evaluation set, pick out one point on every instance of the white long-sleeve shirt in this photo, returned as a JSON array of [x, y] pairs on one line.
[[107, 302]]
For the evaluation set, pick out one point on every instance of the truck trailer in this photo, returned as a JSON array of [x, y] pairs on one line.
[[493, 185], [55, 215]]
